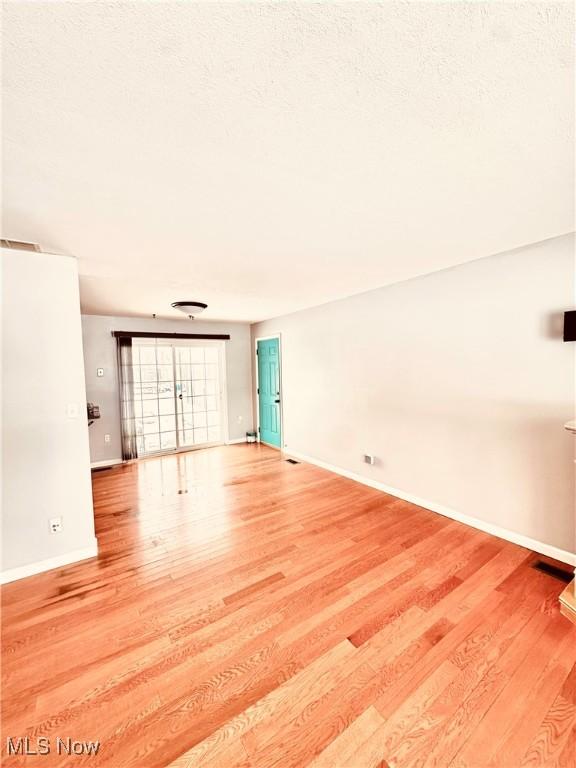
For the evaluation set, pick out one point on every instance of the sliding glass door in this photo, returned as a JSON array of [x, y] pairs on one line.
[[178, 394], [198, 412]]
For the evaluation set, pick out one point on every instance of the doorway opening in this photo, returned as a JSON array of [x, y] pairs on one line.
[[178, 395]]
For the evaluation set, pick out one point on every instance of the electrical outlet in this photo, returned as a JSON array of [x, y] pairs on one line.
[[106, 438], [99, 371], [369, 458], [55, 524]]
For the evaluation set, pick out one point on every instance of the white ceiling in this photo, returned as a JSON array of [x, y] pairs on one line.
[[265, 157]]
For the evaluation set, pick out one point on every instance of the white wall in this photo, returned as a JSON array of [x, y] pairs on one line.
[[100, 352], [45, 457], [458, 382]]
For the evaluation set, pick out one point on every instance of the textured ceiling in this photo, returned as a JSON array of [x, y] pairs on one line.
[[265, 157]]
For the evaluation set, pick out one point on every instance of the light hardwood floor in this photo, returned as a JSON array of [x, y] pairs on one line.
[[244, 611]]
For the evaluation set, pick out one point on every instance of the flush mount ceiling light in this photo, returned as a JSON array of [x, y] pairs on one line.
[[190, 308]]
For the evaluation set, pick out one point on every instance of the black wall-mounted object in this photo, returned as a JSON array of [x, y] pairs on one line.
[[93, 412], [570, 325]]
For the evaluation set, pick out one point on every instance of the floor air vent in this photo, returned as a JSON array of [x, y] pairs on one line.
[[554, 571], [292, 461]]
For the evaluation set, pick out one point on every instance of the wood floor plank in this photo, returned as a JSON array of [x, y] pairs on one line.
[[280, 615], [500, 698], [546, 703], [347, 748], [269, 709], [556, 732]]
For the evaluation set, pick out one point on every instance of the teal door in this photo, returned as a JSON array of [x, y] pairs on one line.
[[268, 351]]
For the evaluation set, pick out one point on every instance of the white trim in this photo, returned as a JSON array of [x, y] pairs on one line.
[[236, 440], [256, 340], [32, 569], [105, 463], [495, 530]]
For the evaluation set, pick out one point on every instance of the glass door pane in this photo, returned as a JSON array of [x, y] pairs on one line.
[[154, 397], [198, 388]]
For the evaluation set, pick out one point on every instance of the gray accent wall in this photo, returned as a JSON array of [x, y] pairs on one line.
[[100, 352], [45, 457], [458, 382]]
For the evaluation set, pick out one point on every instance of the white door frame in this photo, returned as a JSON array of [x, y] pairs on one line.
[[256, 340]]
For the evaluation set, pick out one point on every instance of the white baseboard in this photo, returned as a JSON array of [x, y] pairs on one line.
[[47, 565], [503, 533], [105, 463], [236, 440]]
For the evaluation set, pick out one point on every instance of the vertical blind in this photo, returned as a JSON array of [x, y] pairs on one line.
[[127, 421]]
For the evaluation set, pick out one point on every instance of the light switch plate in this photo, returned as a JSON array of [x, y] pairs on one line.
[[72, 410]]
